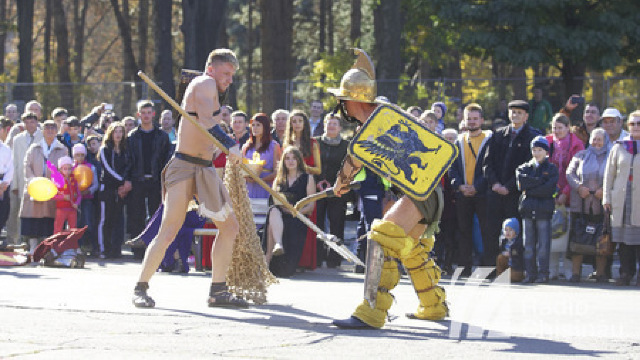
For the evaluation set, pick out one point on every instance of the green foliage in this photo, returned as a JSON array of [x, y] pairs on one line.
[[527, 33]]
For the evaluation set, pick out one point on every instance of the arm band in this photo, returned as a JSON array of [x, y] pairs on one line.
[[224, 139]]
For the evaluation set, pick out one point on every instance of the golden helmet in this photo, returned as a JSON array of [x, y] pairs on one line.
[[359, 83]]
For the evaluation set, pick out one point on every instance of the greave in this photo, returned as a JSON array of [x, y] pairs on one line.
[[425, 275]]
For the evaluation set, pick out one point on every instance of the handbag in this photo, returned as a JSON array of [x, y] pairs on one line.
[[586, 234], [559, 222], [605, 246]]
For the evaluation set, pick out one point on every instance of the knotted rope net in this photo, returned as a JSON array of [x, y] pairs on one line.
[[248, 275]]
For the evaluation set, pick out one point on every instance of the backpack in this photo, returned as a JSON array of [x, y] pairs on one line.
[[61, 249]]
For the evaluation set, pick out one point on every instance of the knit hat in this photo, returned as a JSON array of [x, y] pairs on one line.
[[65, 160], [443, 107], [78, 149], [541, 142], [512, 223]]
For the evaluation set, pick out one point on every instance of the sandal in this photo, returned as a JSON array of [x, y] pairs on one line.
[[278, 250], [136, 243], [140, 297], [219, 296], [227, 299]]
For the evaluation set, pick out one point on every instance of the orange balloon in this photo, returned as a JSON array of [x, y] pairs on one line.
[[84, 176]]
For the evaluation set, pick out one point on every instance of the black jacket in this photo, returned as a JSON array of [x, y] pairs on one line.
[[538, 184], [160, 154], [116, 168], [503, 157], [331, 156], [457, 172]]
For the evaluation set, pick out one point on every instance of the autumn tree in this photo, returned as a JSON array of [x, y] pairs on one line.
[[569, 35], [25, 50], [202, 23], [62, 55], [163, 64], [276, 35], [388, 22], [130, 66]]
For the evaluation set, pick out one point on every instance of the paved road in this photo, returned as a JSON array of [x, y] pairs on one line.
[[50, 313]]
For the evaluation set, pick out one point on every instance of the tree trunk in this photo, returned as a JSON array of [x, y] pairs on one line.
[[201, 25], [322, 36], [143, 33], [356, 20], [25, 50], [453, 88], [276, 31], [163, 67], [47, 39], [519, 83], [62, 55], [79, 23], [388, 25], [573, 79], [249, 70], [3, 32], [130, 66], [329, 13]]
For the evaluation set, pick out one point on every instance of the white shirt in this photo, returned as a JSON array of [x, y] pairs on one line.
[[624, 135], [21, 144], [6, 163]]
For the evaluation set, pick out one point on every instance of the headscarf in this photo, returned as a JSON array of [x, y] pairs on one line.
[[595, 160]]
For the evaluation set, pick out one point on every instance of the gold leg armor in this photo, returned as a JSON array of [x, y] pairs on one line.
[[394, 241], [425, 275]]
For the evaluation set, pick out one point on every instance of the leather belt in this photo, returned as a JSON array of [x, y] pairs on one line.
[[193, 159]]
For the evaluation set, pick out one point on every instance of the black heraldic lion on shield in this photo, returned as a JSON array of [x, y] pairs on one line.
[[400, 144]]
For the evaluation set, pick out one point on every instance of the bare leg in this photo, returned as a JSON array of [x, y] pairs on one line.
[[176, 201], [406, 215], [274, 232], [223, 248], [576, 261], [601, 264]]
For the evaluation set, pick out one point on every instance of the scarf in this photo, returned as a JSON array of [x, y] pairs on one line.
[[630, 145], [593, 164], [47, 149], [561, 149], [331, 141]]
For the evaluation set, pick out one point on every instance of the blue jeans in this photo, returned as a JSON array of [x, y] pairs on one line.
[[87, 218], [537, 246], [370, 209]]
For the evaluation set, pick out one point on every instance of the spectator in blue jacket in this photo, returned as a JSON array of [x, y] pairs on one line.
[[511, 250], [538, 181]]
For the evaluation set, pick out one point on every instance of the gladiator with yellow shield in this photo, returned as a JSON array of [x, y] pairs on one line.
[[391, 143]]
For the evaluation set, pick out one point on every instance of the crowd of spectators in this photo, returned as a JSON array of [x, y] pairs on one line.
[[500, 194]]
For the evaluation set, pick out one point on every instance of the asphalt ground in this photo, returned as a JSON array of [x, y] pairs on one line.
[[55, 313]]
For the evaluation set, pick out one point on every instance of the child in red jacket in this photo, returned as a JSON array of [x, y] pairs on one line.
[[68, 197]]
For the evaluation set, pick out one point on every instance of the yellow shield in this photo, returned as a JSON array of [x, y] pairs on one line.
[[395, 146]]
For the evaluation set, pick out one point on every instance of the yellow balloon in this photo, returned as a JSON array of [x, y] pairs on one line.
[[42, 189], [84, 176]]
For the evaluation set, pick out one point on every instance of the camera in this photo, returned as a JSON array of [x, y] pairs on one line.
[[577, 100], [108, 107]]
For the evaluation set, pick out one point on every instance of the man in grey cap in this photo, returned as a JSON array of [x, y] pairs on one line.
[[612, 123], [508, 148]]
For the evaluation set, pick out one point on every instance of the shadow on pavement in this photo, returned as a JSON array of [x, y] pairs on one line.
[[274, 315], [6, 272]]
